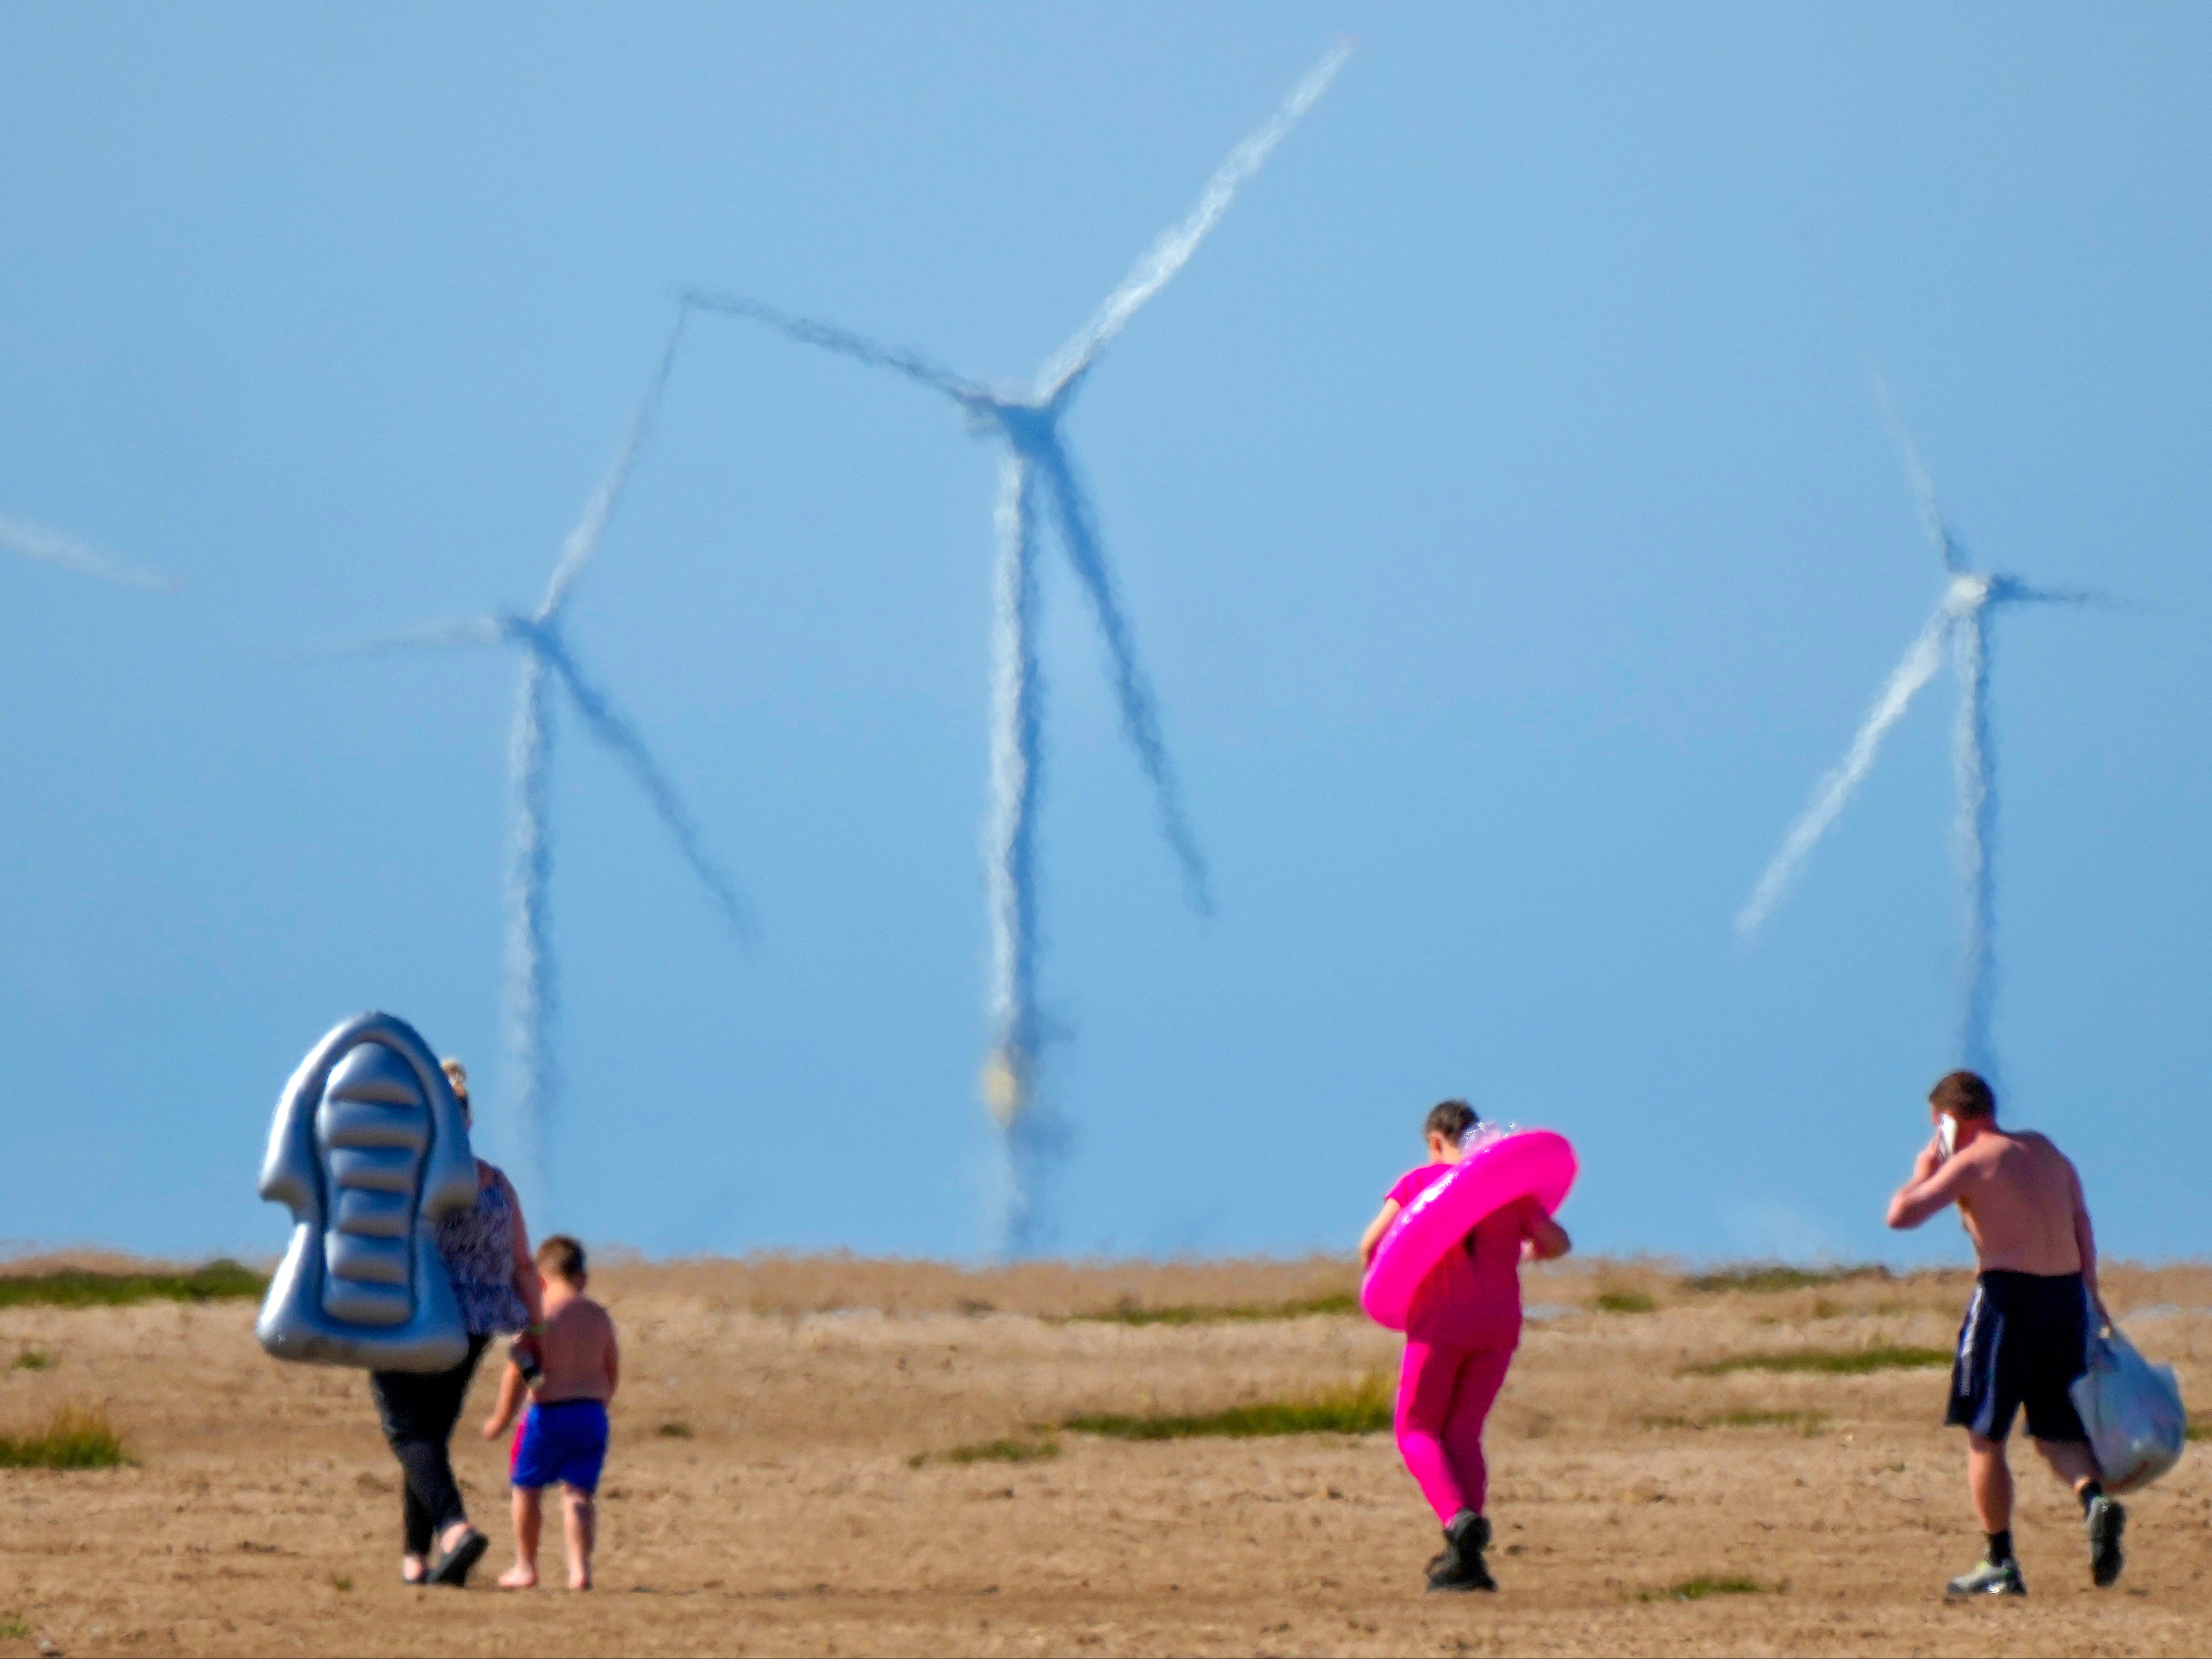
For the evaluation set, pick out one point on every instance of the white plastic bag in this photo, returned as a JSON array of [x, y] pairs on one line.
[[2133, 1412]]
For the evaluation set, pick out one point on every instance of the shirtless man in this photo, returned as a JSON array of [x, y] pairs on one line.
[[2028, 1327]]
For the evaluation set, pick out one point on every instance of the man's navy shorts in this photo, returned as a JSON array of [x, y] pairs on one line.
[[2023, 1341], [565, 1442]]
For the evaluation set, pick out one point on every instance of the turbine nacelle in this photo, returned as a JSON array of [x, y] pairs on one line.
[[1973, 591], [1970, 591], [532, 632], [1030, 427]]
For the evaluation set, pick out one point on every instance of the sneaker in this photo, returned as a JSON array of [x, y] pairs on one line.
[[2105, 1522], [1989, 1579], [1460, 1566]]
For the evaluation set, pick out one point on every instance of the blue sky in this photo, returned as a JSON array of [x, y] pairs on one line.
[[1496, 495]]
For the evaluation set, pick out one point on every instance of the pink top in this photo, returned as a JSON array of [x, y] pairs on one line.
[[1472, 1298]]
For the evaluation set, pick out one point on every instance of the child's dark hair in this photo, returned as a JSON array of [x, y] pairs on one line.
[[1451, 1119], [562, 1257]]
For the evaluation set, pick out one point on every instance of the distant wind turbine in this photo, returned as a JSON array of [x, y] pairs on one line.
[[1038, 469], [1961, 620], [547, 656]]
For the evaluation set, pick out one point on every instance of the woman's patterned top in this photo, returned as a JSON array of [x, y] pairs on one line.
[[477, 1244]]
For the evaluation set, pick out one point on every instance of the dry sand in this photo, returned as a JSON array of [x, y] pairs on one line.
[[261, 1514]]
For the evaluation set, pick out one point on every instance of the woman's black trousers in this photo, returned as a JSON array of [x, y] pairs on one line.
[[417, 1410]]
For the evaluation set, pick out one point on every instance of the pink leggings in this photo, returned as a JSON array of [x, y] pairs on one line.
[[1443, 1395]]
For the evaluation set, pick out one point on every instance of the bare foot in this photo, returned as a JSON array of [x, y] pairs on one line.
[[520, 1576], [581, 1580]]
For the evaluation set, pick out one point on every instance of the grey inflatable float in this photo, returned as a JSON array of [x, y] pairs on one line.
[[368, 1150]]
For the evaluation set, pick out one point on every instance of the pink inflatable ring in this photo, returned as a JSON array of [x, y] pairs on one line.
[[1527, 1162]]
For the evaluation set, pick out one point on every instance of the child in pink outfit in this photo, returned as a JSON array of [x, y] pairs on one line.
[[1466, 1323]]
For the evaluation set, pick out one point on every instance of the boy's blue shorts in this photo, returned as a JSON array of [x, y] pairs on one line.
[[566, 1442]]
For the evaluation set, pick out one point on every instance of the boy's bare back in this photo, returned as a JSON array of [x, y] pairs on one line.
[[578, 1353]]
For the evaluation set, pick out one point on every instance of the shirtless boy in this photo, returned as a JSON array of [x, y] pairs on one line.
[[563, 1437], [2027, 1326]]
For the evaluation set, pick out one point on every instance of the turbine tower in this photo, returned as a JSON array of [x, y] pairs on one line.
[[1036, 477], [546, 657], [1961, 622]]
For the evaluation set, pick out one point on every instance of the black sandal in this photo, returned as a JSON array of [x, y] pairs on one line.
[[452, 1566]]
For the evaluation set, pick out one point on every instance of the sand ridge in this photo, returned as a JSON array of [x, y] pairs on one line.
[[763, 1494]]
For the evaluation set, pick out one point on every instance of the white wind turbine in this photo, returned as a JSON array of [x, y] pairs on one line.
[[1037, 465], [1961, 621], [547, 657]]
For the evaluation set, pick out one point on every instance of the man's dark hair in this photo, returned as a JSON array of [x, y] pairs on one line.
[[1964, 1094], [562, 1257], [1451, 1119]]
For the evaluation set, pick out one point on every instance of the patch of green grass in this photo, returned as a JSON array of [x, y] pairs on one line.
[[1836, 1362], [674, 1430], [1625, 1302], [1364, 1408], [13, 1627], [341, 1582], [1803, 1422], [2200, 1428], [74, 1437], [80, 1287], [1806, 1422], [1768, 1276], [33, 1360], [1697, 1589], [1128, 1313], [991, 1451]]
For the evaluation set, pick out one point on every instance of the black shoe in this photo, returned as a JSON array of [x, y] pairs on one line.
[[452, 1566], [1460, 1566], [2105, 1522]]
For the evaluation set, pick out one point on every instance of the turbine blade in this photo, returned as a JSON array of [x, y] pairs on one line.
[[1173, 250], [52, 547], [1139, 708], [1919, 666], [1916, 473], [615, 731], [830, 338], [584, 540], [430, 636], [2017, 593]]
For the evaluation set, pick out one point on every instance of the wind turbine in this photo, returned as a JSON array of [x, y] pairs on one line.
[[1961, 622], [1038, 469], [547, 658]]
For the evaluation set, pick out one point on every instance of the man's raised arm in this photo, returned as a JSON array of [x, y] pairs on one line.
[[1934, 1185]]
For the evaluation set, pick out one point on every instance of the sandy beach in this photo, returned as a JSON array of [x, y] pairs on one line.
[[785, 1479]]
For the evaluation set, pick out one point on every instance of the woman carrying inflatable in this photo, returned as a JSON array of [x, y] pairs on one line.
[[1461, 1317]]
